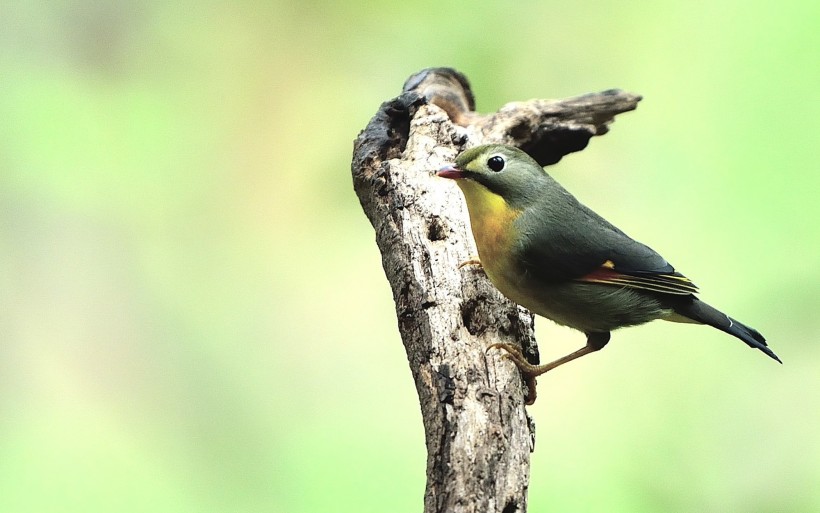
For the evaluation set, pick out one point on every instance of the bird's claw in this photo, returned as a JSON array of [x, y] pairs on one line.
[[528, 370], [514, 353], [473, 260]]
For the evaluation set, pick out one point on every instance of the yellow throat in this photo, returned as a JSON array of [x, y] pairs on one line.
[[491, 219]]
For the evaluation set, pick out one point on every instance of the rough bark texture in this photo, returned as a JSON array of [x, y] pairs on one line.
[[478, 434]]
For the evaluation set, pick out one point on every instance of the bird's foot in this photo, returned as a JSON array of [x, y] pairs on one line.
[[528, 371], [473, 260], [595, 341], [514, 354]]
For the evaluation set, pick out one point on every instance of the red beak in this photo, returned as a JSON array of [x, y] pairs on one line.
[[451, 172]]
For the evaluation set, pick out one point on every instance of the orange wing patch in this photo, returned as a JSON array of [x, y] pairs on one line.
[[665, 283]]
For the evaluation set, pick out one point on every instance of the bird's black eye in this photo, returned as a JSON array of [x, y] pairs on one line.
[[496, 163]]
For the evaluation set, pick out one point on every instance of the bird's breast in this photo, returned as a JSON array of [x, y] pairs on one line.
[[496, 236]]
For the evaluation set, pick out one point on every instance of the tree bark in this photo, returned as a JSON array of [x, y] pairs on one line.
[[478, 434]]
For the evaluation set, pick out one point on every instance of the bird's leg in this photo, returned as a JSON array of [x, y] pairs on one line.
[[473, 260], [595, 342]]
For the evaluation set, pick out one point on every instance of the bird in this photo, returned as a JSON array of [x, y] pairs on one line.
[[548, 252]]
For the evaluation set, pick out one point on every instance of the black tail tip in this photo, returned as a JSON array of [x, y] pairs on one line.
[[769, 353], [752, 337]]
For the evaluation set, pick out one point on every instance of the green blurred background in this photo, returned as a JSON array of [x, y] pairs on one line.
[[193, 316]]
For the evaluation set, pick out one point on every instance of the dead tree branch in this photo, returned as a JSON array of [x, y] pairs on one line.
[[478, 434]]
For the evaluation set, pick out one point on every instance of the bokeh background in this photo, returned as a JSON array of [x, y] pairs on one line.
[[193, 316]]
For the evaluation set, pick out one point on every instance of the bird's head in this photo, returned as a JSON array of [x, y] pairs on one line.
[[495, 170]]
